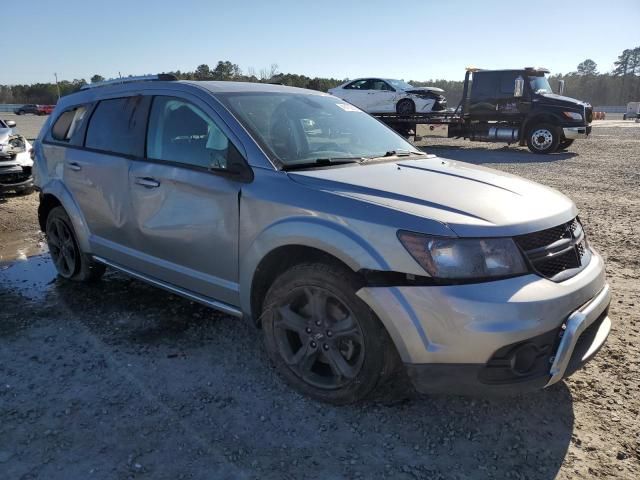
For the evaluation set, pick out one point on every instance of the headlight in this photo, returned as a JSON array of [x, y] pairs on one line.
[[572, 115], [464, 258]]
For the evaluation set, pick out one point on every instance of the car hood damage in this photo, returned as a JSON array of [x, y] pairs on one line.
[[425, 91], [471, 200], [11, 144]]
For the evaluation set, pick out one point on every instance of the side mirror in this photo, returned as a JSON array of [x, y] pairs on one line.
[[10, 123], [561, 88], [518, 88]]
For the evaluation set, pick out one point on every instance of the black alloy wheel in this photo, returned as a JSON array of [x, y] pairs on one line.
[[322, 338]]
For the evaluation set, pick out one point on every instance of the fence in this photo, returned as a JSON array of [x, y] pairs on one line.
[[611, 109], [10, 107]]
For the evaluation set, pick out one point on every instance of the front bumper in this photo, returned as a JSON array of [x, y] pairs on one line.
[[15, 177], [470, 338], [574, 133]]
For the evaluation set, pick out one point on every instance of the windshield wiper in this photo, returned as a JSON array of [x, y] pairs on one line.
[[323, 162], [396, 153]]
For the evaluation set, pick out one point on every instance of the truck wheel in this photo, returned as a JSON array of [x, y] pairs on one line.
[[405, 107], [322, 338], [565, 143], [70, 262], [543, 138]]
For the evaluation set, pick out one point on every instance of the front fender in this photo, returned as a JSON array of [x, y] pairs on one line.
[[57, 189], [325, 235]]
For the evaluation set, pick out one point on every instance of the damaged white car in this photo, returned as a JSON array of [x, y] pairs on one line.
[[15, 160], [385, 95]]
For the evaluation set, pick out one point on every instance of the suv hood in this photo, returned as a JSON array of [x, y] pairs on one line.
[[470, 200]]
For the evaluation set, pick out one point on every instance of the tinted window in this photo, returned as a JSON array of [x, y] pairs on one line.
[[181, 132], [484, 85], [117, 126], [507, 84], [68, 123]]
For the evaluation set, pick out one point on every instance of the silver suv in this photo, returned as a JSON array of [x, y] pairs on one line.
[[355, 253]]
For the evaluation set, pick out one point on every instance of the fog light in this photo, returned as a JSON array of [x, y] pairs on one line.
[[523, 359]]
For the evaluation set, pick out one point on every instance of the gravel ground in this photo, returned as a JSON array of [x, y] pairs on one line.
[[121, 380]]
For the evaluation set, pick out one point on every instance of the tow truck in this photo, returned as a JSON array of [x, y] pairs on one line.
[[512, 106]]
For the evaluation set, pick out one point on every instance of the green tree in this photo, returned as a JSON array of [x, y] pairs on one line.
[[588, 67], [203, 72], [97, 78], [225, 70]]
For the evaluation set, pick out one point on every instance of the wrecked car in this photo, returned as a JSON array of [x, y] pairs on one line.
[[15, 160], [385, 95]]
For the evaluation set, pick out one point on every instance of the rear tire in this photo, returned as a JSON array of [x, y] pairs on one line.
[[70, 262], [543, 138], [405, 107], [322, 338]]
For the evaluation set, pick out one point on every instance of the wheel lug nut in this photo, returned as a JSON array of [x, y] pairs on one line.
[[318, 323], [308, 330], [329, 333], [325, 346], [314, 344]]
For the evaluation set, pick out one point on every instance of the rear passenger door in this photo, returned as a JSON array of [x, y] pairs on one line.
[[185, 199], [97, 175]]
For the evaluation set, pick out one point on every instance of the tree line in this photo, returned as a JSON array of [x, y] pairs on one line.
[[617, 87]]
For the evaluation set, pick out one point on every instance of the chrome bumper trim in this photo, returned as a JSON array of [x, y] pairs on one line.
[[577, 323], [572, 133]]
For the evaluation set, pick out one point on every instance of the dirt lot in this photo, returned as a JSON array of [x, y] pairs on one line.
[[121, 380]]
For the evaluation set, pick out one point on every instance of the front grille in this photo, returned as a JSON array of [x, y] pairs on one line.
[[13, 177], [556, 253]]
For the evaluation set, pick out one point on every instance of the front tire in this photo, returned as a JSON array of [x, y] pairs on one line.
[[543, 138], [70, 262], [322, 338], [405, 107]]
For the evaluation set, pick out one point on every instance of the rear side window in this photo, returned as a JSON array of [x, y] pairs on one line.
[[118, 126], [67, 124]]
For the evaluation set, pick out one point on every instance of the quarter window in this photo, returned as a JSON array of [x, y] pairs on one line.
[[181, 132], [68, 123], [117, 125]]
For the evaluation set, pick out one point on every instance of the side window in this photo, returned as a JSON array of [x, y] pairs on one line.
[[117, 126], [68, 124], [60, 129], [363, 84], [507, 83], [181, 132], [483, 85], [380, 85]]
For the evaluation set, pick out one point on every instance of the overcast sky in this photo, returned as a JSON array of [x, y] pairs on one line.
[[416, 39]]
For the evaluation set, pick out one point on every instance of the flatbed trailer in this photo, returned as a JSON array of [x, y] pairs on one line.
[[510, 106]]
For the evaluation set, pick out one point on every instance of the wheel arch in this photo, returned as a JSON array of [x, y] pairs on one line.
[[54, 194], [294, 241], [530, 122]]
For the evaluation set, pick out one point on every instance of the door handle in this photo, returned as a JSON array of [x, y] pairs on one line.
[[147, 182], [75, 166]]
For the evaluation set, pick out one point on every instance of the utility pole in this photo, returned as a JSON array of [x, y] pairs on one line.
[[57, 85]]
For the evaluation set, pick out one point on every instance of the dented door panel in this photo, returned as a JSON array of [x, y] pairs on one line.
[[186, 223]]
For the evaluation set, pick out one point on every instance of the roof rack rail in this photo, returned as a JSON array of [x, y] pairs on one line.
[[167, 77]]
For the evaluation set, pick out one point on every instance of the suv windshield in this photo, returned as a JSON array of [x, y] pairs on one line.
[[400, 84], [540, 85], [298, 129]]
